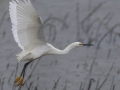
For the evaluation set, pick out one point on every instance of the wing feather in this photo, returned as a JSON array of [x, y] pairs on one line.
[[26, 24]]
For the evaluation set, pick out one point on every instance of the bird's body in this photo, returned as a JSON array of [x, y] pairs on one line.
[[27, 28], [33, 54], [46, 49]]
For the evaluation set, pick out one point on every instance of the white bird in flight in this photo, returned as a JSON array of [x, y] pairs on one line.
[[26, 26]]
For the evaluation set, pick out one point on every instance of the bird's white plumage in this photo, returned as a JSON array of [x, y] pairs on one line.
[[28, 33], [26, 24], [27, 30]]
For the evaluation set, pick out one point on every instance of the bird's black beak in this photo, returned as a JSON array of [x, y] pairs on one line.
[[86, 44]]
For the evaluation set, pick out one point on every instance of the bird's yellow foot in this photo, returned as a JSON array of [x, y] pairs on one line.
[[19, 80]]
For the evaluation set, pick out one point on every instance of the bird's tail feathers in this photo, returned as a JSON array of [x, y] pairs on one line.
[[23, 57]]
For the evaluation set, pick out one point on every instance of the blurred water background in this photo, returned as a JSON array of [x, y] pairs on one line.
[[67, 21]]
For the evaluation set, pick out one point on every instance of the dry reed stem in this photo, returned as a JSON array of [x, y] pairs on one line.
[[112, 82], [106, 77], [56, 83], [97, 84]]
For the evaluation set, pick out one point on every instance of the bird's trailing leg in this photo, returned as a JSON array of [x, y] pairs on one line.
[[19, 80]]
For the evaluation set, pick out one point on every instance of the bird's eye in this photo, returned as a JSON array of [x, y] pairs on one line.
[[81, 44]]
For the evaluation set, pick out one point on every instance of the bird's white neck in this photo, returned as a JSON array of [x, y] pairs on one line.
[[58, 51]]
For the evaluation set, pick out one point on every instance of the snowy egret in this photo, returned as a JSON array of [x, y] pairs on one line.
[[26, 24]]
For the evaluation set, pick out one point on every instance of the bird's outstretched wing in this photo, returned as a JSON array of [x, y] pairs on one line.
[[26, 24]]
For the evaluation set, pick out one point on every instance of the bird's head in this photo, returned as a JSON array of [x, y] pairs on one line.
[[81, 44]]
